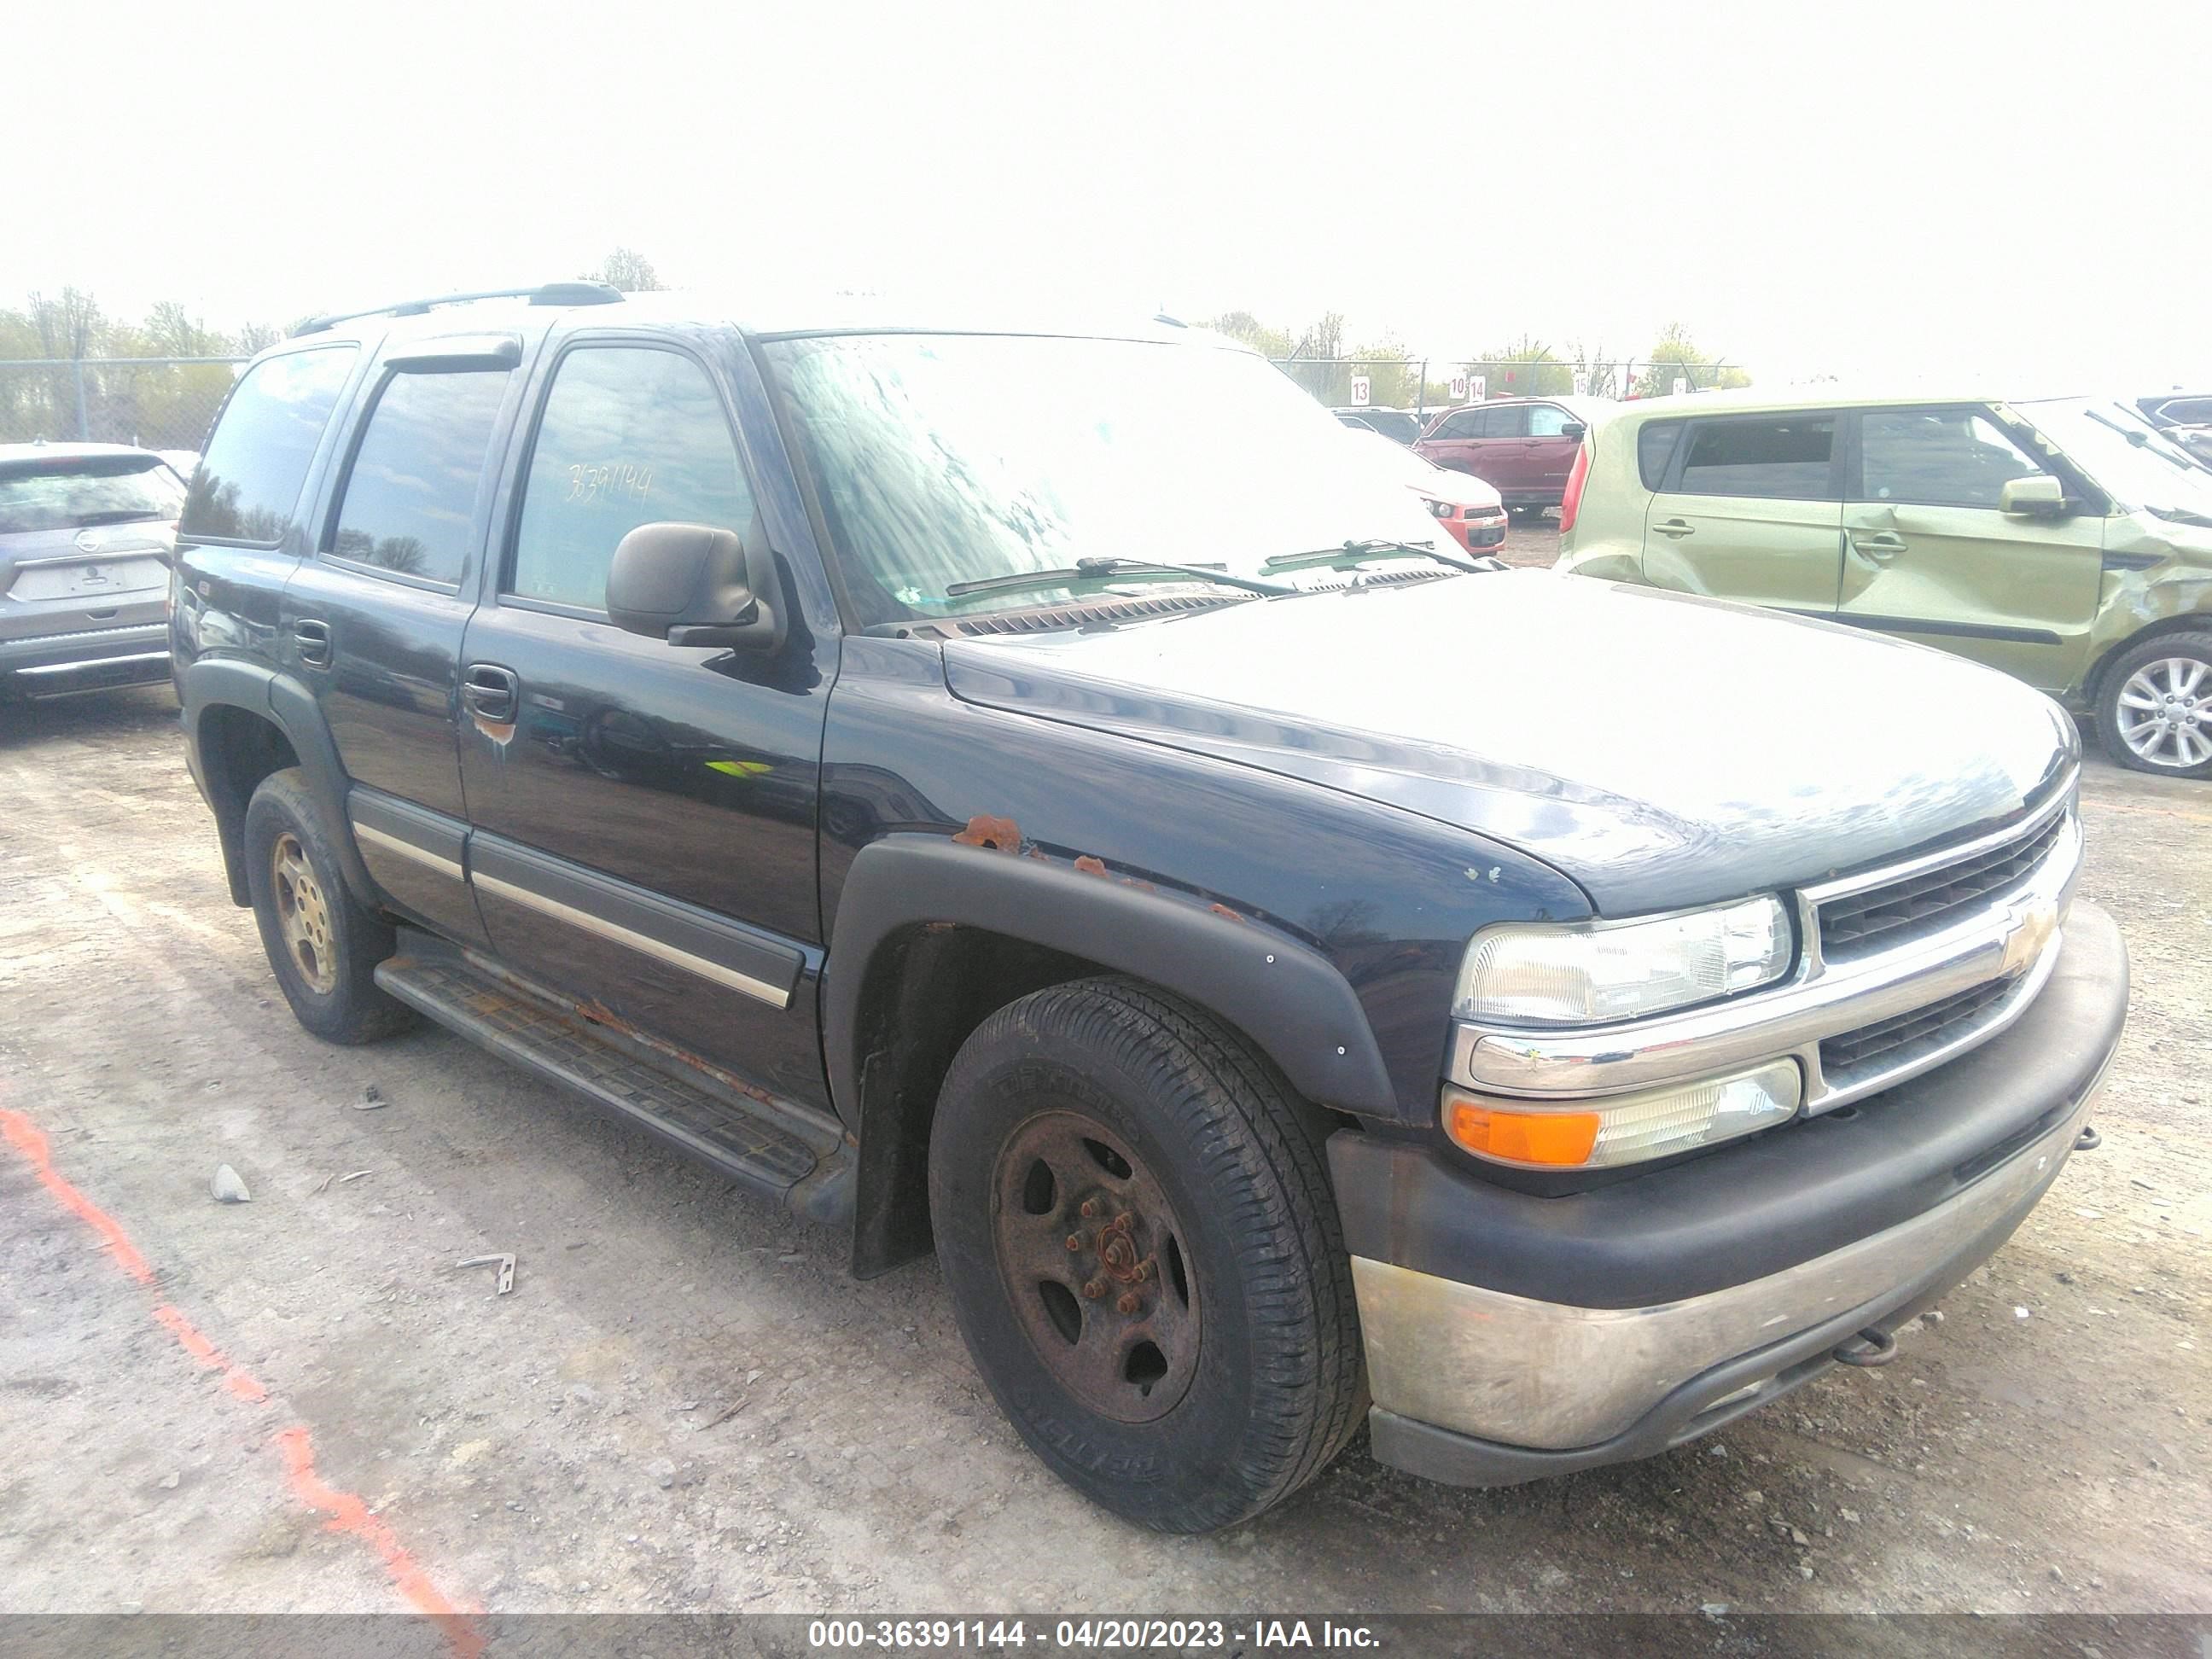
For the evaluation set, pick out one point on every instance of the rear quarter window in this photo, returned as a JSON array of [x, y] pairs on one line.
[[250, 474], [1772, 456], [1655, 448]]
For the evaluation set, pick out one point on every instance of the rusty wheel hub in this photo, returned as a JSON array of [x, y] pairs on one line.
[[303, 915], [1093, 1257]]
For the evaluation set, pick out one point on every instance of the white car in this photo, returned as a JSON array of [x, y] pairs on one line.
[[1460, 502]]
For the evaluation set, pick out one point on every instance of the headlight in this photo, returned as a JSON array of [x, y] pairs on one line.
[[1614, 1129], [1439, 509], [1593, 973]]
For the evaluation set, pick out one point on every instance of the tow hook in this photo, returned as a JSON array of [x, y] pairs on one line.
[[1867, 1349], [2088, 1141]]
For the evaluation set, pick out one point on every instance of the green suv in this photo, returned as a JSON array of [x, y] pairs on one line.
[[2060, 539]]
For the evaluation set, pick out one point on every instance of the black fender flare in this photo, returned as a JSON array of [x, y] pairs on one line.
[[1278, 991], [290, 707]]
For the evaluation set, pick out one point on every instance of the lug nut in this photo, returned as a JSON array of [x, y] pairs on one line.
[[1094, 1290], [1128, 1303], [1091, 1206], [1075, 1240]]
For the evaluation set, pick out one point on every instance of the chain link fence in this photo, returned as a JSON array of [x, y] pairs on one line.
[[156, 403], [1422, 385]]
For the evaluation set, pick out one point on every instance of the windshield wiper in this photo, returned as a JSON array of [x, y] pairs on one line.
[[1087, 570], [1353, 552], [2141, 438], [118, 515], [2180, 515]]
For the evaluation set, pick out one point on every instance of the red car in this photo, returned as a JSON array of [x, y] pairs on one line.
[[1463, 504], [1524, 447]]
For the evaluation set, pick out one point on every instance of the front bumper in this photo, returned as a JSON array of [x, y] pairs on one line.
[[1510, 1336]]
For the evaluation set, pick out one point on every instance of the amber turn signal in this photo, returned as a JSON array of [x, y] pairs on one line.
[[1560, 1139]]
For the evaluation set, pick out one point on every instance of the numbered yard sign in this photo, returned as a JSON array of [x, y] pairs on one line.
[[1359, 391], [1459, 388], [1478, 387]]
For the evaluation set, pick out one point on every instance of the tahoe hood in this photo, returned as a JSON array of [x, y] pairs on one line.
[[1661, 750]]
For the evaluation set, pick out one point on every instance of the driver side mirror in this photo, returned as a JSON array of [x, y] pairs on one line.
[[1574, 432], [2038, 495], [695, 584]]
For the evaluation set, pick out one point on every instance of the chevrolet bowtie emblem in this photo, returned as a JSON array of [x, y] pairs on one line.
[[2025, 941]]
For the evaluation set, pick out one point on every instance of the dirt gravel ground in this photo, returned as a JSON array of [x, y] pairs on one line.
[[300, 1404]]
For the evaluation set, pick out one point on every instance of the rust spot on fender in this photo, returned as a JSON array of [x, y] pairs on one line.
[[1087, 865], [1000, 834], [1225, 913]]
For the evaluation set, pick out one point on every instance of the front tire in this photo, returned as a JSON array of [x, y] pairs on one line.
[[1132, 1213], [322, 942], [2154, 711]]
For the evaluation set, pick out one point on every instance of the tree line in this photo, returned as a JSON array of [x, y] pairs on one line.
[[67, 368], [1318, 359]]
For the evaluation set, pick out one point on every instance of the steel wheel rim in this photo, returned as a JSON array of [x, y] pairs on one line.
[[1094, 1264], [303, 915], [2165, 713]]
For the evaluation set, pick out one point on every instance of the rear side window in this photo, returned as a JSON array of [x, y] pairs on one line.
[[257, 458], [1937, 456], [1509, 421], [1461, 424], [1780, 455], [1655, 447], [630, 435], [69, 492], [410, 497]]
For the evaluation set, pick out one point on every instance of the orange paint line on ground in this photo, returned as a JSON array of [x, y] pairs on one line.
[[238, 1380], [30, 1141], [349, 1512]]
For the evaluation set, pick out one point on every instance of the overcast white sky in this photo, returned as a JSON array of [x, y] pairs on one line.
[[1995, 190]]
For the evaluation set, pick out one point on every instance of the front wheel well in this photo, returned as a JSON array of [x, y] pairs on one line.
[[238, 749], [926, 989], [2093, 687]]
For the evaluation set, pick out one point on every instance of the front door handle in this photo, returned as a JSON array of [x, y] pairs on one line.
[[1880, 547], [1677, 528], [313, 638], [490, 690]]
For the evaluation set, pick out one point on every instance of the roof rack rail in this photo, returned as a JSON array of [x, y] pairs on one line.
[[546, 294]]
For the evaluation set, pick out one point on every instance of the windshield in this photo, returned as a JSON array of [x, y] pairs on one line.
[[2095, 433], [950, 459], [66, 492]]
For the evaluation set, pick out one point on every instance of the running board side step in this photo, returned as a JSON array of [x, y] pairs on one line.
[[777, 1152]]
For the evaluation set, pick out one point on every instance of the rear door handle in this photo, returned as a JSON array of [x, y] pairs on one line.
[[490, 690], [1882, 546], [1677, 528], [313, 638]]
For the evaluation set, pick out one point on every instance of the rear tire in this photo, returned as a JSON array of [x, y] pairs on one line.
[[2154, 706], [323, 943], [1185, 1351]]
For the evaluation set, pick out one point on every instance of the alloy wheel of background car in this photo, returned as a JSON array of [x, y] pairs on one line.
[[2154, 709], [2165, 712]]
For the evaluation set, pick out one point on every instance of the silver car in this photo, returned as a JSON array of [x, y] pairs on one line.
[[87, 531]]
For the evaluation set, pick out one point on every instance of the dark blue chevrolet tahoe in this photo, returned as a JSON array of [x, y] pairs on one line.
[[1289, 975]]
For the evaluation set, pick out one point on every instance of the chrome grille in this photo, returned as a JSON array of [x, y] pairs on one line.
[[1855, 924], [1921, 1030]]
